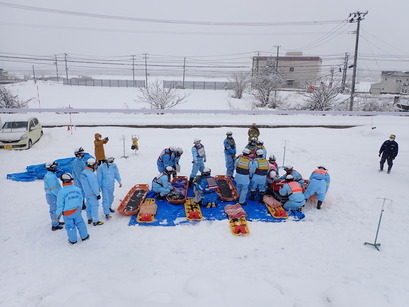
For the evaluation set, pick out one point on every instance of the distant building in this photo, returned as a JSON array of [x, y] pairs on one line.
[[299, 71], [393, 82]]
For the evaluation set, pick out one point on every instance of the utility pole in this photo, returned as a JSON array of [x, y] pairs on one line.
[[56, 68], [66, 67], [355, 17], [34, 75], [133, 71], [278, 52], [146, 69], [344, 72], [184, 72]]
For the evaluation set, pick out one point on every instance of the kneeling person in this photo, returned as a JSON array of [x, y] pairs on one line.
[[161, 184], [206, 189], [293, 190]]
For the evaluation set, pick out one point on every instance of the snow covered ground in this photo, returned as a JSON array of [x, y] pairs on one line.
[[320, 261]]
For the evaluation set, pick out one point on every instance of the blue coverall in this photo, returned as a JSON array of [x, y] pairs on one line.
[[90, 185], [107, 173], [229, 154], [199, 158], [318, 184]]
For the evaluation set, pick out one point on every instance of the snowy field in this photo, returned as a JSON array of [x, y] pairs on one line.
[[320, 261]]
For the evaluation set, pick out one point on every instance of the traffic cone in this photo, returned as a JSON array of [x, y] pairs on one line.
[[68, 128]]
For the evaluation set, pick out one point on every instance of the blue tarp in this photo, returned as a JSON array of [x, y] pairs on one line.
[[35, 172], [171, 215]]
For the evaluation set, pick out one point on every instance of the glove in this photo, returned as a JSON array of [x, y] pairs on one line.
[[120, 185], [379, 155], [99, 197], [106, 139], [204, 160], [83, 206]]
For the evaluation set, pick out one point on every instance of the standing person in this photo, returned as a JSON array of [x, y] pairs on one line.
[[90, 185], [293, 190], [166, 158], [229, 153], [258, 175], [318, 184], [252, 146], [253, 132], [178, 154], [199, 159], [69, 203], [389, 151], [107, 173], [52, 187], [99, 147], [78, 165], [260, 145], [242, 164], [161, 184]]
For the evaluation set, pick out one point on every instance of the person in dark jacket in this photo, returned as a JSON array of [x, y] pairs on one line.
[[388, 152]]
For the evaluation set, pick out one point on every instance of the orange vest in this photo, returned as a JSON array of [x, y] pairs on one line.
[[295, 187]]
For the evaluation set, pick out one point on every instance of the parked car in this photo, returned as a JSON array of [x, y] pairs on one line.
[[20, 134]]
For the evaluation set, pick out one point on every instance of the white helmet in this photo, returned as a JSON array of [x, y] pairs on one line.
[[246, 151], [51, 165], [260, 142], [78, 151], [272, 174], [197, 141], [169, 169], [229, 133], [179, 151], [259, 153], [173, 148], [272, 158], [91, 162], [206, 171], [110, 160], [288, 168], [289, 177], [66, 178]]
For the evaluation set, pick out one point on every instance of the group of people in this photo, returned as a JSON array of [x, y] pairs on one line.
[[81, 190]]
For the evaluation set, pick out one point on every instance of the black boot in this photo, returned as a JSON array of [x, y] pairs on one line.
[[191, 182], [58, 227], [389, 169], [260, 200], [319, 204], [252, 195], [380, 167]]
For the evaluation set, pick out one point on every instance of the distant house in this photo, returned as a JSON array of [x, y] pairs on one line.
[[393, 82], [299, 71]]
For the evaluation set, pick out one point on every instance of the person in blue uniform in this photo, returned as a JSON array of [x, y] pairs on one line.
[[229, 153], [107, 173], [258, 175], [78, 165], [289, 170], [166, 158], [199, 159], [206, 189], [318, 184], [52, 187], [243, 164], [161, 184], [69, 204], [90, 185], [293, 190]]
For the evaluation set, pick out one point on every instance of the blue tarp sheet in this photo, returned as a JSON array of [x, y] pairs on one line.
[[35, 172], [171, 215]]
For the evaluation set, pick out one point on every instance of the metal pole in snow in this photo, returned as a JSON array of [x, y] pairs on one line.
[[376, 245], [285, 144], [123, 142]]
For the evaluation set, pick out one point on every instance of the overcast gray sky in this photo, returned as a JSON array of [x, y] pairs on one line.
[[232, 28]]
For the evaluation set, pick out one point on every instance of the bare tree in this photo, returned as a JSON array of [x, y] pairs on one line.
[[263, 85], [8, 100], [323, 97], [159, 97], [240, 82]]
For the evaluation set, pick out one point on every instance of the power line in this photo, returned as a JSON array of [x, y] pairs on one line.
[[166, 21]]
